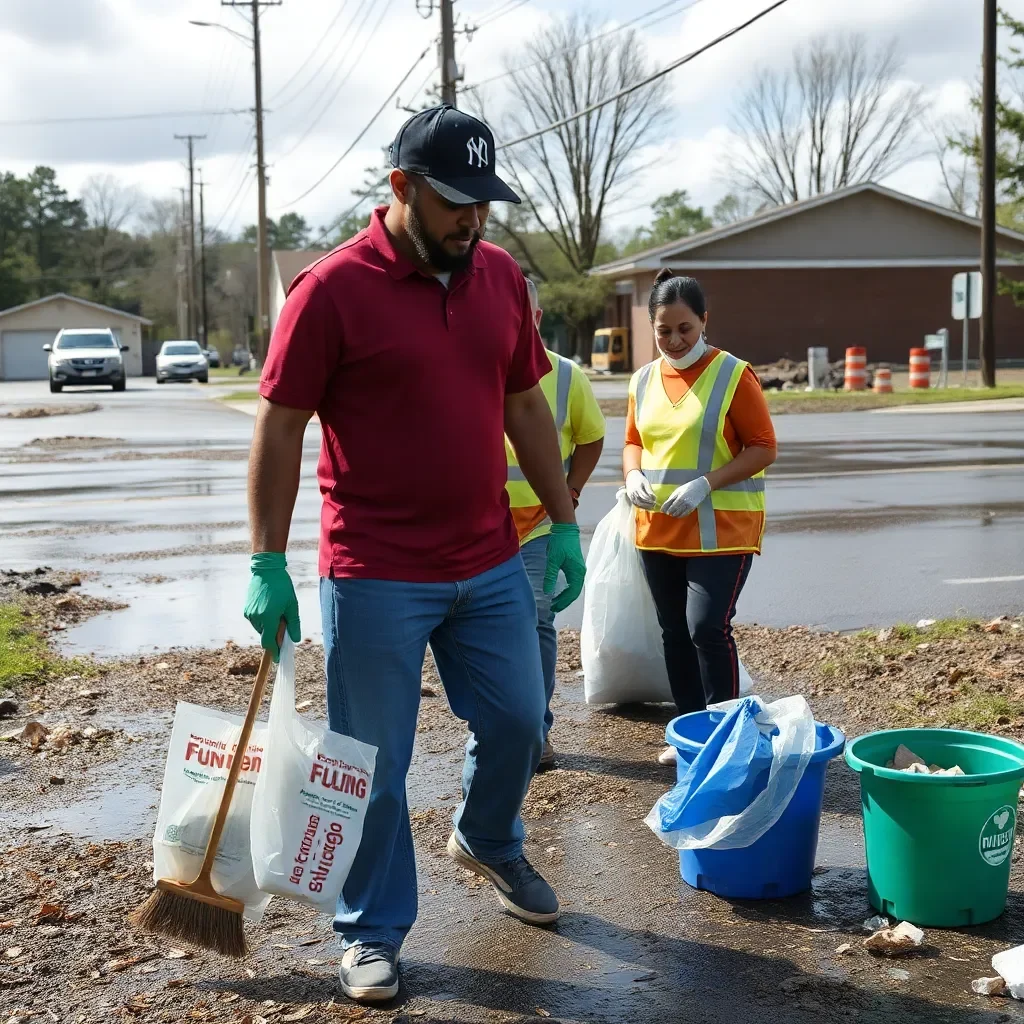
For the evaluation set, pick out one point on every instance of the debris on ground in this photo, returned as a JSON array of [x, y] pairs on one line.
[[873, 924], [989, 986], [904, 938], [844, 948], [1009, 965], [905, 760], [35, 412], [964, 678], [60, 738]]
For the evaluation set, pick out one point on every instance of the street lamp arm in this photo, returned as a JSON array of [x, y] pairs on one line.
[[216, 24]]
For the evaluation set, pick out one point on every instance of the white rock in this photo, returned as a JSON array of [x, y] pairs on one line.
[[988, 986]]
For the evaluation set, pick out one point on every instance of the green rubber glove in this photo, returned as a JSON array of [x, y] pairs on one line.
[[565, 555], [271, 597]]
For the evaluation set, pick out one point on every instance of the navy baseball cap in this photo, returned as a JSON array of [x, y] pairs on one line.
[[454, 152]]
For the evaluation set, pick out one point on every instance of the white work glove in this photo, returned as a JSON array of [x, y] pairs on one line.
[[684, 500], [639, 491]]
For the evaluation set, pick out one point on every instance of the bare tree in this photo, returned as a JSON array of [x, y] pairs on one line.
[[956, 146], [107, 248], [838, 116], [570, 175]]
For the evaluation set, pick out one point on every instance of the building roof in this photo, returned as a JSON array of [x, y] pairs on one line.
[[657, 256], [291, 262], [82, 302]]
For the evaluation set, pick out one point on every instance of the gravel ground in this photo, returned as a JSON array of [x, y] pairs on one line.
[[64, 942]]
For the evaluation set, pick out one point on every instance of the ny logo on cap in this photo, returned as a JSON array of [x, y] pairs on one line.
[[477, 148]]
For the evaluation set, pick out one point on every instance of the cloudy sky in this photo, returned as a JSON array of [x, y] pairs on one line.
[[328, 65]]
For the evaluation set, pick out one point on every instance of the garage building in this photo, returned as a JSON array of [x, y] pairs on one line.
[[861, 266], [24, 330]]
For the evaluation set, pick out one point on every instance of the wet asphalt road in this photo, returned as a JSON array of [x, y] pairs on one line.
[[870, 515], [873, 518]]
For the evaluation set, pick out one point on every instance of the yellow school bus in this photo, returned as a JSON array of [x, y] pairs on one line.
[[611, 349]]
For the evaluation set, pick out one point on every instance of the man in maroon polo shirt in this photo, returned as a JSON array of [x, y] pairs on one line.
[[415, 345]]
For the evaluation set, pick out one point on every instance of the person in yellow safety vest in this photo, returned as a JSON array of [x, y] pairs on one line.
[[698, 440], [580, 427]]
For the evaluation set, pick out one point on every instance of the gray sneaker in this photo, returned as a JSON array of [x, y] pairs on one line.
[[369, 972], [547, 757], [521, 889]]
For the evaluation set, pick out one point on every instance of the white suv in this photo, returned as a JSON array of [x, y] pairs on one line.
[[86, 355], [181, 360]]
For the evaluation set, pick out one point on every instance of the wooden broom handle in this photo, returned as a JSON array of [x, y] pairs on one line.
[[255, 699]]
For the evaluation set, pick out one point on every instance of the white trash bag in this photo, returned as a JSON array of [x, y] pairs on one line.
[[742, 780], [203, 743], [311, 798], [621, 647]]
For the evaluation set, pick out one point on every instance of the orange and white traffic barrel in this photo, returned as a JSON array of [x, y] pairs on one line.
[[883, 381], [920, 368], [856, 369]]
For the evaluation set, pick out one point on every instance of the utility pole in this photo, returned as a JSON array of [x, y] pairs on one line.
[[192, 319], [988, 198], [181, 270], [449, 69], [262, 251], [204, 338]]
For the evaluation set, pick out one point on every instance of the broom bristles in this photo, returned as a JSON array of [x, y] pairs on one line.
[[192, 921]]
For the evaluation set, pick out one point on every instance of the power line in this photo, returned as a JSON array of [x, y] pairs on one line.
[[316, 49], [345, 48], [244, 188], [330, 100], [593, 39], [501, 13], [92, 118], [643, 83], [366, 128]]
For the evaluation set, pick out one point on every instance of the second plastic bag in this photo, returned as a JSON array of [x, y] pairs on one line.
[[620, 641], [742, 780], [621, 647], [310, 801]]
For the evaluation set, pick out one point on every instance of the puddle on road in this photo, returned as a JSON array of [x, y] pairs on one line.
[[119, 813], [197, 603]]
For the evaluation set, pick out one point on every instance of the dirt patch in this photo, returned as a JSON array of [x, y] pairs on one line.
[[35, 412], [50, 599], [555, 792], [75, 443], [949, 674]]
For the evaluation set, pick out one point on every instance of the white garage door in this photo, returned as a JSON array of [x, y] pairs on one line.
[[22, 356]]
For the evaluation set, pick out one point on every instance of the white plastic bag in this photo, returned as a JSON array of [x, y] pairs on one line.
[[620, 641], [203, 743], [621, 647], [789, 725], [311, 798]]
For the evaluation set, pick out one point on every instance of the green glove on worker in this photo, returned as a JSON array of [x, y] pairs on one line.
[[270, 599], [566, 556]]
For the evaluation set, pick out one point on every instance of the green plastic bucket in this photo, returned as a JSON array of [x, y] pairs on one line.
[[939, 848]]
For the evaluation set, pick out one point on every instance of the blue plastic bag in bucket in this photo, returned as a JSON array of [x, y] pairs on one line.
[[743, 779]]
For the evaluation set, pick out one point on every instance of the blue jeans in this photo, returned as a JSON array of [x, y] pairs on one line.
[[482, 633], [535, 557]]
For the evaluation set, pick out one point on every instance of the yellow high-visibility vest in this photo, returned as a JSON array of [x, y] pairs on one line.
[[685, 441], [556, 387]]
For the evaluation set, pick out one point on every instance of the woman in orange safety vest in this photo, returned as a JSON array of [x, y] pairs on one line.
[[698, 440]]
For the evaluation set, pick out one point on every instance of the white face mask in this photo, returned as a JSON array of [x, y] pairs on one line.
[[695, 355]]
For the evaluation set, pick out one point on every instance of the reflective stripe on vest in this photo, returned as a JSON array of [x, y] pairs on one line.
[[561, 415], [684, 441]]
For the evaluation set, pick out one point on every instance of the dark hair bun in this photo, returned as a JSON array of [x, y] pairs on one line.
[[670, 287]]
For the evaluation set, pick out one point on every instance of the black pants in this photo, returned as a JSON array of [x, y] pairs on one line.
[[696, 601]]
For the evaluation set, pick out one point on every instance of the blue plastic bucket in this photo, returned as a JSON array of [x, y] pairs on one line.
[[781, 862]]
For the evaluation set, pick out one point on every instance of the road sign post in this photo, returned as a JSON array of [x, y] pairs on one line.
[[966, 305], [940, 342]]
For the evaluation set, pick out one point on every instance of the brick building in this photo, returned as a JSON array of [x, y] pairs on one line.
[[861, 266]]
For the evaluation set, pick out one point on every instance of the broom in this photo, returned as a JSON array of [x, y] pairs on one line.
[[194, 912]]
